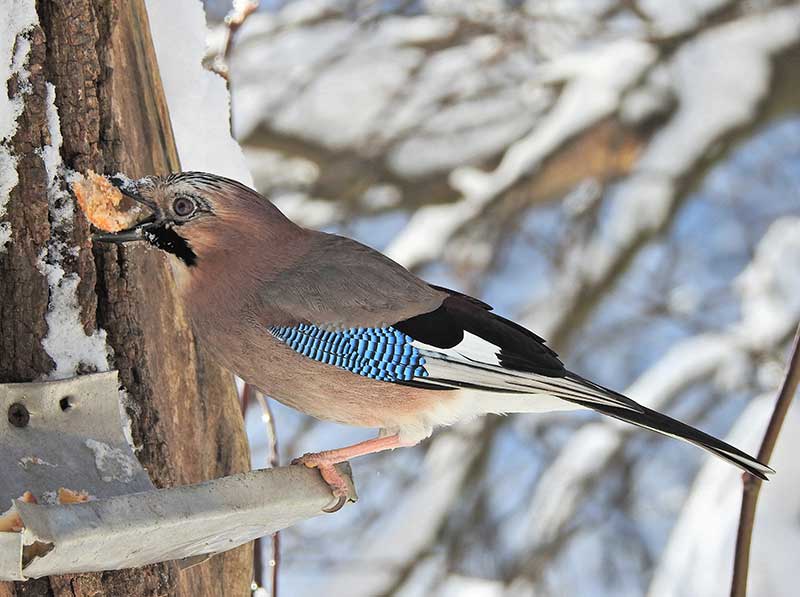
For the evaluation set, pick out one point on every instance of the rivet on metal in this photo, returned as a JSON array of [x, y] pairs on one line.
[[18, 415]]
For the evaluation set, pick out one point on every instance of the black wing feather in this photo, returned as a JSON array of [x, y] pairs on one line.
[[521, 352], [519, 349]]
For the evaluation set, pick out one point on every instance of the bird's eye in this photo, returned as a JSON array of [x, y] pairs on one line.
[[183, 207]]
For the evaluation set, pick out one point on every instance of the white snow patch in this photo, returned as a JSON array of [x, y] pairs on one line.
[[288, 59], [113, 464], [309, 212], [17, 19], [66, 342], [699, 563], [62, 208], [429, 230], [564, 480], [768, 288], [684, 300], [719, 80], [462, 134], [198, 100], [381, 196], [676, 16], [715, 357], [465, 586], [595, 81], [127, 423], [342, 93], [415, 30], [276, 170], [653, 98], [27, 462], [304, 11], [396, 542], [583, 197]]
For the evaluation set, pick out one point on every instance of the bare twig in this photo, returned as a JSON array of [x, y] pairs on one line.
[[238, 14], [269, 420], [273, 461], [752, 485]]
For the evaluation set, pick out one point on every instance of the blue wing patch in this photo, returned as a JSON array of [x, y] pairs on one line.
[[385, 354]]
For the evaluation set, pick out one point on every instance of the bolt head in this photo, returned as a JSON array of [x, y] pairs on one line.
[[18, 415]]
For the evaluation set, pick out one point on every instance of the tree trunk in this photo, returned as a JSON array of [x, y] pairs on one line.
[[99, 56]]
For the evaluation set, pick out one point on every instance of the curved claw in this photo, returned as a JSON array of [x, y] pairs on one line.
[[341, 501], [340, 488]]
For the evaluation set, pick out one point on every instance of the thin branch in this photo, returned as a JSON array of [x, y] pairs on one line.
[[752, 485], [233, 21], [273, 460]]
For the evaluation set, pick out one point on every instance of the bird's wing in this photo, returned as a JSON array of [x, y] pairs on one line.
[[349, 306], [337, 284], [464, 344]]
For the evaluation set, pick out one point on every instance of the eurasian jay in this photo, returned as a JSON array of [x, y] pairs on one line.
[[337, 330]]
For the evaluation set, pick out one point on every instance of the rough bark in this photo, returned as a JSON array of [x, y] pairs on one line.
[[99, 56]]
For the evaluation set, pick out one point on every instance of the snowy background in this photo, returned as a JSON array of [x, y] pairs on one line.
[[622, 177]]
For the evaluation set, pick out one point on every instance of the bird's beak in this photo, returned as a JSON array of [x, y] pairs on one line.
[[136, 232]]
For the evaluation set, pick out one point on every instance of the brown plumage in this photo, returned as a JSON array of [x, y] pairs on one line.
[[340, 332]]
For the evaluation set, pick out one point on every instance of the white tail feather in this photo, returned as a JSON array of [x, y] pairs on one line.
[[457, 370]]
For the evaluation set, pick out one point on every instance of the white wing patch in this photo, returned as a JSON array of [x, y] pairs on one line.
[[471, 349], [474, 363]]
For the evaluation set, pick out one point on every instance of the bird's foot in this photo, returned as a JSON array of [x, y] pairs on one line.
[[340, 488], [325, 461]]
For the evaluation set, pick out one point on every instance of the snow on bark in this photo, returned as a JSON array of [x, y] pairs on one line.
[[66, 342], [198, 100], [17, 18]]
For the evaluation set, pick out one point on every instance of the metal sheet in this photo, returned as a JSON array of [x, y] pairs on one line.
[[73, 438], [168, 524], [69, 434], [11, 556]]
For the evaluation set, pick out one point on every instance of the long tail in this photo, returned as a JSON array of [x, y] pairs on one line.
[[487, 352], [655, 421], [451, 370]]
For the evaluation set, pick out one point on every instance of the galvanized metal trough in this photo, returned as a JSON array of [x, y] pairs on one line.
[[70, 434]]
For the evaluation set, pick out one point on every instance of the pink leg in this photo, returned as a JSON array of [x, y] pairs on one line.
[[325, 461]]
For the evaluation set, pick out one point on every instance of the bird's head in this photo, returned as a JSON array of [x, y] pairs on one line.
[[198, 217]]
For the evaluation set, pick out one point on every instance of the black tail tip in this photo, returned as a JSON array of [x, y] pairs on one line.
[[762, 471]]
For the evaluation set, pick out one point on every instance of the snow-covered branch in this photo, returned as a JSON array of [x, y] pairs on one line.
[[720, 79], [764, 292]]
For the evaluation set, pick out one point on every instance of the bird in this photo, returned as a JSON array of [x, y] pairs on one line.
[[339, 331]]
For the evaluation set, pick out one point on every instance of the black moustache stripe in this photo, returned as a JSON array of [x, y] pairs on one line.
[[167, 239]]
